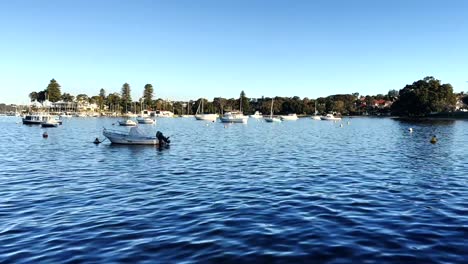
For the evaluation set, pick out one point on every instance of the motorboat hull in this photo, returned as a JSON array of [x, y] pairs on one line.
[[330, 118], [292, 117], [208, 117], [272, 120], [124, 139], [125, 123], [234, 120], [31, 122], [49, 124], [147, 121]]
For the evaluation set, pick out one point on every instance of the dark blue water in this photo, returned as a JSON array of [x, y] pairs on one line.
[[305, 191]]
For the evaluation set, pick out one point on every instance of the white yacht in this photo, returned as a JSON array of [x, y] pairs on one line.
[[145, 120], [164, 114], [127, 122], [330, 117], [234, 117], [66, 114], [50, 121], [290, 117], [35, 119], [257, 115]]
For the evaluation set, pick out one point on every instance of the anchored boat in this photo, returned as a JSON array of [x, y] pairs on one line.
[[135, 137]]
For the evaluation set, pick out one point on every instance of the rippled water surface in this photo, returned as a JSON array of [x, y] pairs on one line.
[[305, 191]]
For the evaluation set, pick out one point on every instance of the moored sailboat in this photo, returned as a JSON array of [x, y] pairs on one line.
[[272, 119]]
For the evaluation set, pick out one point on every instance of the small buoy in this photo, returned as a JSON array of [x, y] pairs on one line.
[[433, 140], [410, 130], [341, 125], [45, 135], [96, 141], [349, 123], [207, 124]]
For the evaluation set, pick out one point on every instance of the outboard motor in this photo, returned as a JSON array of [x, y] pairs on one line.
[[162, 139]]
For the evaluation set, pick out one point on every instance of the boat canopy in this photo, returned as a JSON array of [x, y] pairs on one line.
[[136, 132]]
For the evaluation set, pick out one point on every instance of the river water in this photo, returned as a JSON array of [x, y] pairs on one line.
[[305, 191]]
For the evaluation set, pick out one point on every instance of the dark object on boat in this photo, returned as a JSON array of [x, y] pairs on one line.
[[162, 139]]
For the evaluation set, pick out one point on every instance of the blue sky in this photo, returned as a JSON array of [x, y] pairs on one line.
[[191, 49]]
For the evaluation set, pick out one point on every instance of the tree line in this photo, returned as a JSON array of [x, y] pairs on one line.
[[420, 98]]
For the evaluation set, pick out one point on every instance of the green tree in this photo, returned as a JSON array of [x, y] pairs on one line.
[[126, 97], [125, 93], [33, 96], [66, 97], [465, 100], [392, 94], [245, 102], [53, 91], [148, 94], [425, 96], [101, 101], [102, 93], [339, 106], [41, 96], [113, 101], [82, 98]]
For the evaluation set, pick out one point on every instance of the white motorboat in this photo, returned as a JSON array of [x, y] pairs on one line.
[[330, 117], [66, 114], [50, 122], [127, 122], [80, 114], [290, 117], [164, 114], [135, 137], [272, 119], [257, 115], [35, 119], [234, 117], [145, 120]]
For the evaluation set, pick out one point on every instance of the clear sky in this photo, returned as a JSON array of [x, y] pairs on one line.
[[196, 48]]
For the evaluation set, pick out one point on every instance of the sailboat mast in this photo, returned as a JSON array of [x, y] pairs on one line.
[[240, 104], [271, 111]]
